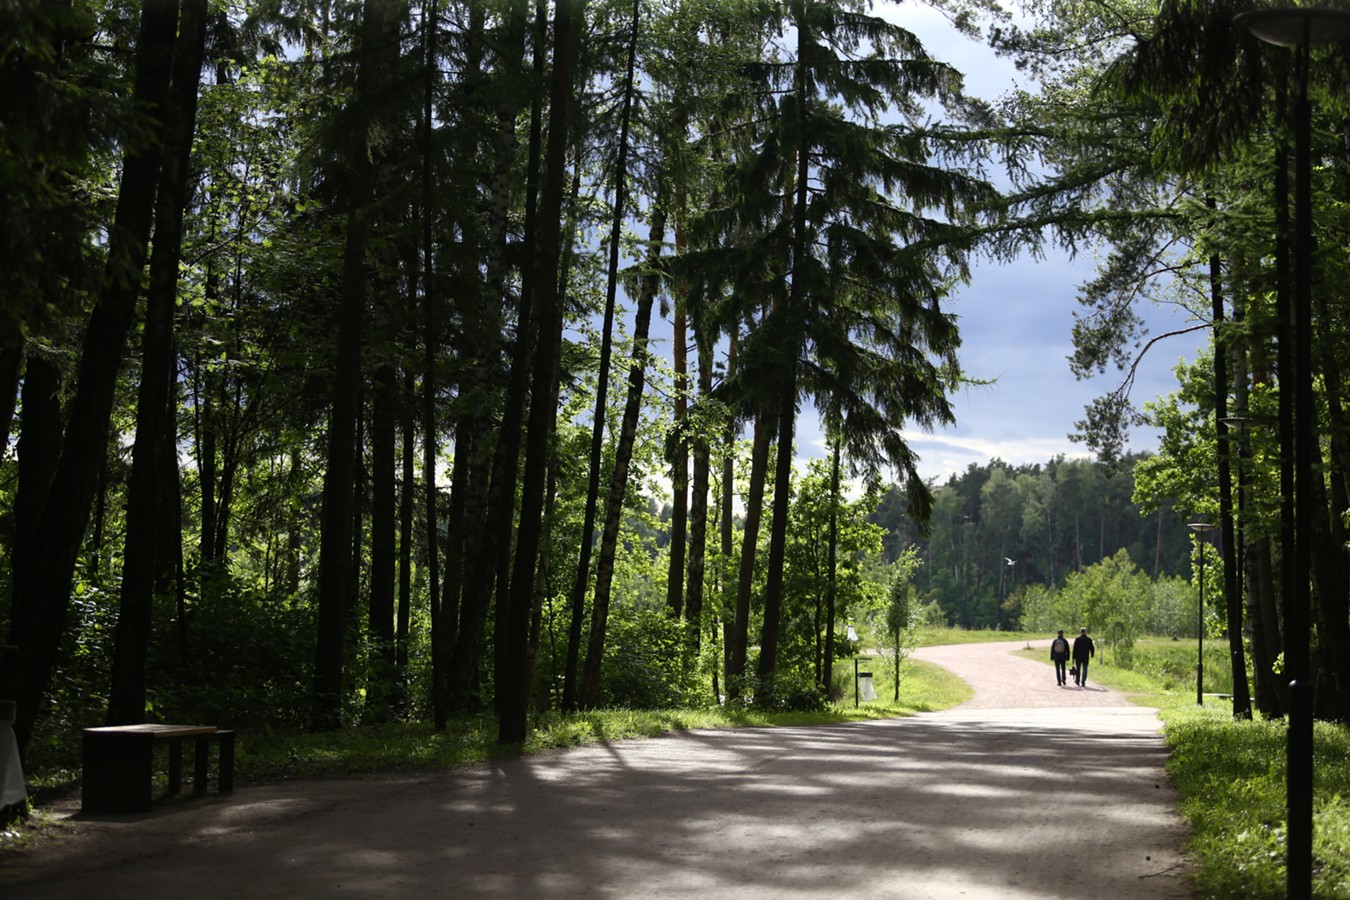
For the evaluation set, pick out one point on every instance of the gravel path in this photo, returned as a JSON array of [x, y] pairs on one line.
[[1028, 791]]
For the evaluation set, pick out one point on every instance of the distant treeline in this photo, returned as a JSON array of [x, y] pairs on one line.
[[996, 528]]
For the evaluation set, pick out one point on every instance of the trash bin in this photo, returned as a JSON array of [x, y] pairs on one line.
[[865, 690]]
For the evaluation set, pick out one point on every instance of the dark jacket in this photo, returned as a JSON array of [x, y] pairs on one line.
[[1059, 649], [1083, 649]]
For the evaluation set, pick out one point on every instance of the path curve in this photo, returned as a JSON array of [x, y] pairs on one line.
[[1027, 798]]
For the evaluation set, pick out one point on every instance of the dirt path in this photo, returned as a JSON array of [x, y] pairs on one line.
[[1044, 793]]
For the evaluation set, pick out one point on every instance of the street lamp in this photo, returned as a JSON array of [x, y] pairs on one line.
[[1299, 28], [1200, 528]]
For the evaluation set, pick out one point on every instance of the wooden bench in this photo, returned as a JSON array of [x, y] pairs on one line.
[[119, 763]]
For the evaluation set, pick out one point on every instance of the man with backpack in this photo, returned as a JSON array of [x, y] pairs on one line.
[[1059, 655]]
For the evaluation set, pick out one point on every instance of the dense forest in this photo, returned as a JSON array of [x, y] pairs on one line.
[[997, 528], [328, 386]]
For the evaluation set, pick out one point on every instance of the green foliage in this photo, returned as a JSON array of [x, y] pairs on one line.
[[1108, 599], [646, 661], [249, 661], [1052, 520], [786, 691], [1231, 778]]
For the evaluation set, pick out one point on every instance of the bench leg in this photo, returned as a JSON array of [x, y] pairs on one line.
[[225, 784], [202, 748], [175, 768]]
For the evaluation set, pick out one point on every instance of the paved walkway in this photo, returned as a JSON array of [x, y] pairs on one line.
[[1049, 792]]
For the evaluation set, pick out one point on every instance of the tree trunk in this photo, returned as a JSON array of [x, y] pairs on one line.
[[1242, 705], [42, 599], [745, 583], [440, 651], [678, 448], [493, 567], [618, 479], [38, 450], [141, 570], [513, 682], [383, 545], [789, 337], [377, 40], [727, 525], [698, 508], [1272, 692], [782, 502], [406, 508], [578, 599], [831, 583]]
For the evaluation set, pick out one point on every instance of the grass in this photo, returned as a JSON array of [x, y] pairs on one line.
[[935, 637], [469, 740]]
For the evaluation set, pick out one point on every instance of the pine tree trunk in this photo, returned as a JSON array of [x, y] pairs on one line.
[[790, 338], [440, 651], [618, 480], [745, 584], [514, 678], [578, 598], [383, 543], [42, 599], [493, 567], [141, 570], [406, 509], [1242, 707], [832, 587], [335, 549], [698, 510], [727, 525]]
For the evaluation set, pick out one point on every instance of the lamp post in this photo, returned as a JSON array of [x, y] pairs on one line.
[[1299, 28], [1200, 528]]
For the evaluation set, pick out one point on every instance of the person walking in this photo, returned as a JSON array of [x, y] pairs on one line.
[[1059, 655], [1083, 650]]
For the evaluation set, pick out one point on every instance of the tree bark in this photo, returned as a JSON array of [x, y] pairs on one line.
[[335, 560], [440, 649], [1242, 705], [831, 585], [383, 544], [698, 507], [492, 567], [142, 568], [406, 508], [754, 505], [514, 680], [790, 342], [578, 598], [618, 479], [42, 599]]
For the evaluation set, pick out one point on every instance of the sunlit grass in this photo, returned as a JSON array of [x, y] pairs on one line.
[[935, 637], [1231, 778]]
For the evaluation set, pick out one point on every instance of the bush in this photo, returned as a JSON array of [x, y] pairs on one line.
[[787, 692], [647, 662]]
